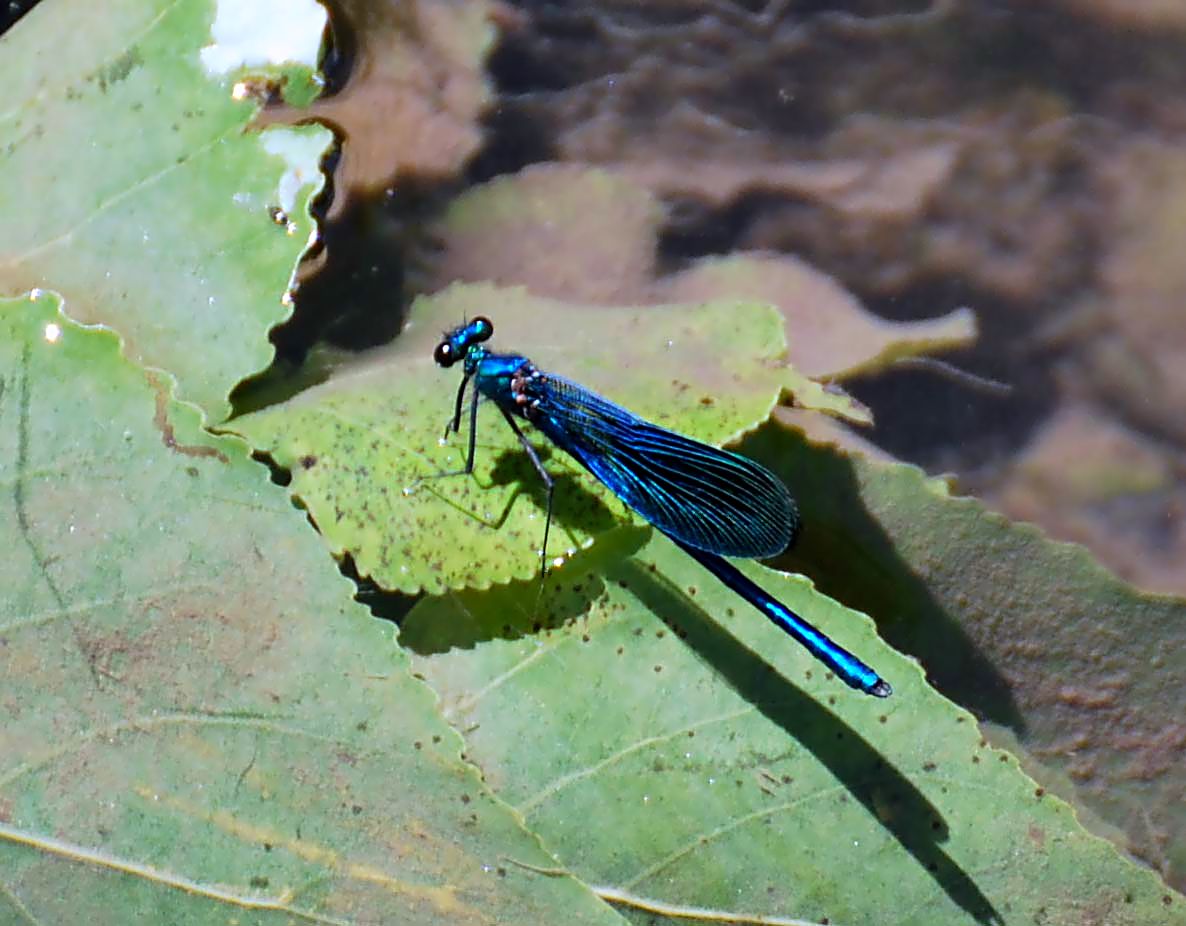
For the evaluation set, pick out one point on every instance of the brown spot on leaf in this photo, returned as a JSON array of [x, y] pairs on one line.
[[168, 436]]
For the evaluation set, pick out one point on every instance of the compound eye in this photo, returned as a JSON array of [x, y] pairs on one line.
[[482, 328], [444, 355]]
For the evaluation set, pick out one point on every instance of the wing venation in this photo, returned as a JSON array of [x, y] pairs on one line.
[[705, 497]]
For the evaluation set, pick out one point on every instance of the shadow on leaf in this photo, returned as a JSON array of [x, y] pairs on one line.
[[883, 790], [851, 558]]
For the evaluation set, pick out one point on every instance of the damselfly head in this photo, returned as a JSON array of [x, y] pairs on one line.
[[457, 343]]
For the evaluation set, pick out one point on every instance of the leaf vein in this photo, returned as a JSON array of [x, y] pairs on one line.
[[98, 859], [564, 781]]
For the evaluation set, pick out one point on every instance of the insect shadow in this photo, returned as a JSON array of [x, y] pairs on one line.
[[574, 504], [526, 608], [888, 794]]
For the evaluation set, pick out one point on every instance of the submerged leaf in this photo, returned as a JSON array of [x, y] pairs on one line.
[[416, 93], [600, 234], [830, 333]]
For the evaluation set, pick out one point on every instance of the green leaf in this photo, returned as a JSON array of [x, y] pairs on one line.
[[1078, 669], [200, 726], [132, 185], [362, 445], [684, 757]]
